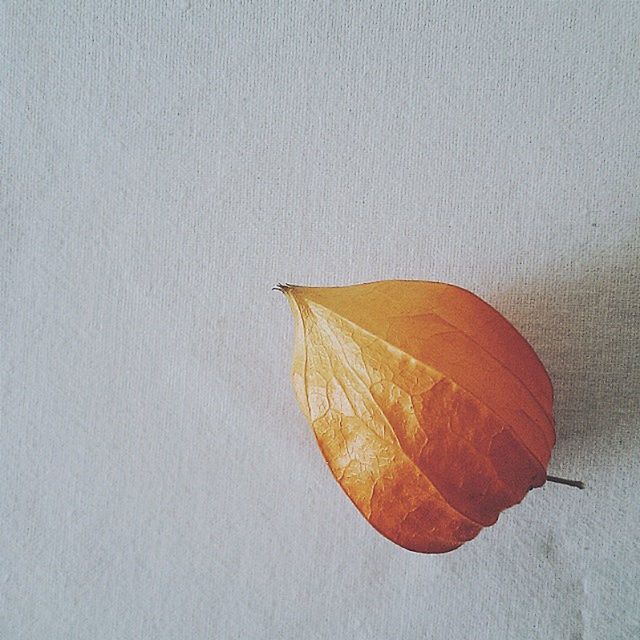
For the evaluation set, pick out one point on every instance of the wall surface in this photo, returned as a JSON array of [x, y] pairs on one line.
[[163, 165]]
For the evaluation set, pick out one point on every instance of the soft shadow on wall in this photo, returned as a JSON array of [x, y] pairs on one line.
[[585, 326]]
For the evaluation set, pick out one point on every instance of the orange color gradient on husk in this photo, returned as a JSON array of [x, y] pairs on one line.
[[433, 413]]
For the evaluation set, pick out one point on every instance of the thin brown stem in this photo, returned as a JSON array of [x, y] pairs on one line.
[[571, 483]]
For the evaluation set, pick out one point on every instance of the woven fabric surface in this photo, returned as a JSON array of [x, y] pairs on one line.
[[165, 164]]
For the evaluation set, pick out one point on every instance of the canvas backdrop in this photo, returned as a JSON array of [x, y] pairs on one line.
[[165, 164]]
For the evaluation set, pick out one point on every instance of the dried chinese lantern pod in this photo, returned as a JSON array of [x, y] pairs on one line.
[[433, 413]]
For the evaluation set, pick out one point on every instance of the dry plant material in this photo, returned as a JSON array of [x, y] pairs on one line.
[[433, 413]]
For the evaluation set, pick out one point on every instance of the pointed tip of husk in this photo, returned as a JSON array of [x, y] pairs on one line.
[[285, 288]]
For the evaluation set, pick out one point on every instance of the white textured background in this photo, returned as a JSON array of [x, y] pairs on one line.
[[162, 167]]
